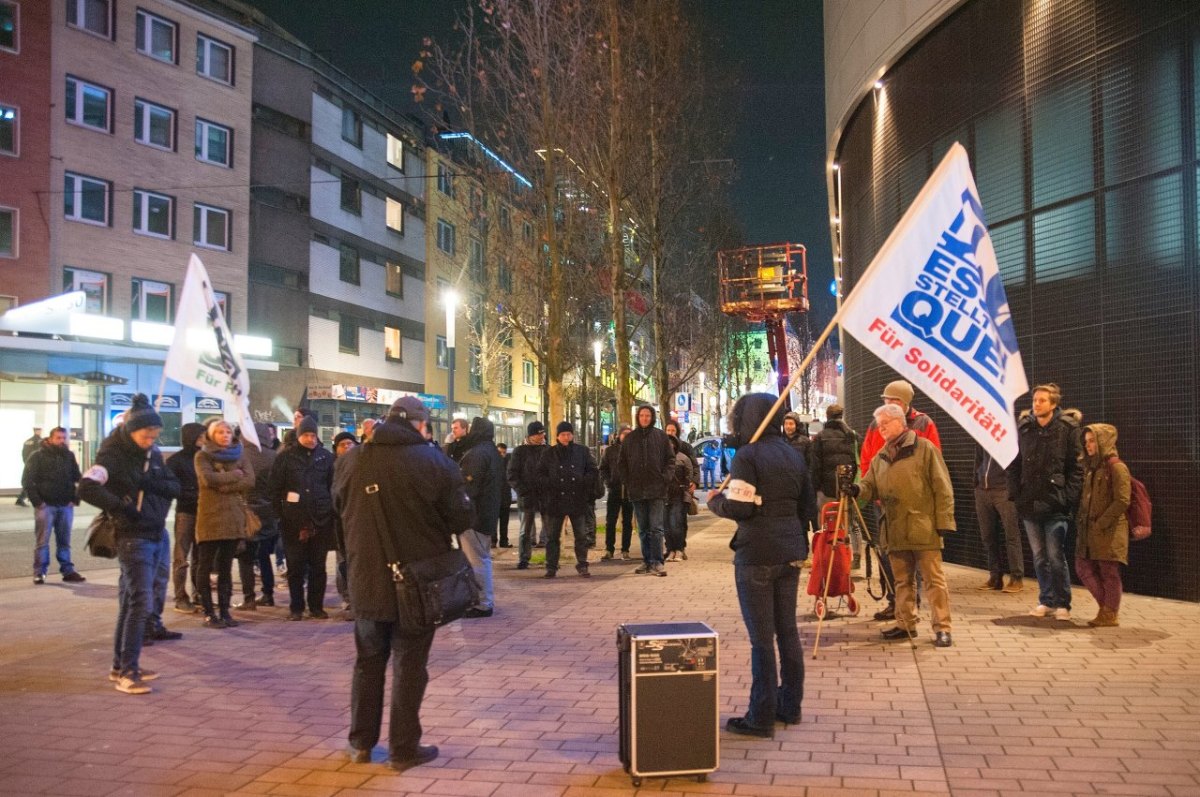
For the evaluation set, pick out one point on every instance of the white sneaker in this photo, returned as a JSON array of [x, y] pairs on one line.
[[1062, 614], [1041, 610], [132, 686]]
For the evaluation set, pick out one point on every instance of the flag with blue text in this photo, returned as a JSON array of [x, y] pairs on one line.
[[932, 306]]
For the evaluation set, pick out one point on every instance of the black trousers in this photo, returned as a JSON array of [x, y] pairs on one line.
[[215, 555], [622, 508], [305, 562], [375, 643]]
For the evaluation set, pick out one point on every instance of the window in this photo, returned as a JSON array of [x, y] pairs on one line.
[[214, 59], [506, 376], [10, 38], [153, 125], [153, 214], [94, 16], [210, 226], [527, 373], [505, 219], [443, 352], [8, 130], [476, 204], [156, 37], [475, 371], [445, 236], [88, 105], [445, 180], [348, 264], [351, 196], [93, 284], [85, 198], [151, 301], [222, 300], [394, 279], [348, 336], [504, 275], [393, 348], [395, 216], [527, 233], [476, 261], [8, 232], [395, 152], [214, 143], [351, 126]]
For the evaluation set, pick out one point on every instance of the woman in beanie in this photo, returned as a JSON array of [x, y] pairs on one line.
[[225, 479]]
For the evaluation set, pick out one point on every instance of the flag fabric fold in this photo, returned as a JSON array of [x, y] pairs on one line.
[[932, 306], [202, 355]]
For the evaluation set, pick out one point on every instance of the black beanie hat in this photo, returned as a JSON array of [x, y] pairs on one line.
[[140, 414], [307, 424], [564, 426], [534, 428]]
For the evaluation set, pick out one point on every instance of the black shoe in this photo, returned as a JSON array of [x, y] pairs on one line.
[[422, 755], [898, 633], [228, 621], [522, 565], [506, 544], [162, 634], [550, 574], [319, 614], [787, 721], [740, 726], [21, 502], [583, 571], [266, 600], [942, 639], [295, 616], [248, 605], [358, 756], [475, 611], [212, 621], [887, 614], [74, 578]]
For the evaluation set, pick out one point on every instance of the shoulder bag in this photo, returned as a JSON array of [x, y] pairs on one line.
[[102, 537]]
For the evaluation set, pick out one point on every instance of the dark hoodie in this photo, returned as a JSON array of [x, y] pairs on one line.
[[183, 464], [770, 495], [121, 472], [647, 463], [483, 470]]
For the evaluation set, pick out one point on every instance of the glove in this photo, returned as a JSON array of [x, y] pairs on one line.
[[851, 489]]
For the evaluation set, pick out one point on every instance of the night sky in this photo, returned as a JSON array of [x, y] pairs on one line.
[[771, 48]]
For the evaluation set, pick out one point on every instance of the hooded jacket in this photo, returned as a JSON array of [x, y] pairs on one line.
[[610, 470], [483, 470], [183, 464], [836, 444], [1044, 479], [306, 473], [1103, 527], [120, 472], [225, 479], [568, 476], [420, 499], [50, 475], [800, 440], [769, 495], [646, 461], [910, 480]]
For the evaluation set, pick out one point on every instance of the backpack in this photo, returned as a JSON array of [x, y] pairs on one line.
[[1139, 510]]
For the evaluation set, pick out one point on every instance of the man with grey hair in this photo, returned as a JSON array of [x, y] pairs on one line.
[[909, 477]]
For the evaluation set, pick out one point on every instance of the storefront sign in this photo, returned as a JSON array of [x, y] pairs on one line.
[[207, 404]]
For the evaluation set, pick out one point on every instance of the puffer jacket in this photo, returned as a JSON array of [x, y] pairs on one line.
[[308, 473], [1103, 527], [120, 472], [225, 478], [483, 470], [1044, 479], [769, 494], [836, 444], [646, 461], [568, 476], [910, 480], [50, 475], [421, 500], [183, 464]]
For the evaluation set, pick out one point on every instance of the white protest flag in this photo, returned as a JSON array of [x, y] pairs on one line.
[[932, 306], [202, 355]]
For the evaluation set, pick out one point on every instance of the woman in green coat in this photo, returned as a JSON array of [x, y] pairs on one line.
[[225, 478], [1102, 545]]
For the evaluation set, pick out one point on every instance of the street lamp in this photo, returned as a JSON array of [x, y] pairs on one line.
[[450, 302]]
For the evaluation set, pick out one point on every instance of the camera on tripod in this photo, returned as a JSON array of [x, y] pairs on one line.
[[845, 478]]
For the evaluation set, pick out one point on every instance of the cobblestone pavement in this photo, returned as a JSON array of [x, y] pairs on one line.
[[525, 703]]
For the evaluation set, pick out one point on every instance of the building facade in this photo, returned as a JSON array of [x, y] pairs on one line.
[[1081, 121]]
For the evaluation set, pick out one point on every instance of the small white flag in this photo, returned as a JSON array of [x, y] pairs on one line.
[[202, 355], [932, 306]]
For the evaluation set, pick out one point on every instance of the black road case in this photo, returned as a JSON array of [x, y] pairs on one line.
[[668, 699]]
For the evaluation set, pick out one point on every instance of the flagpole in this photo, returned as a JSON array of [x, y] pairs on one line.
[[162, 385]]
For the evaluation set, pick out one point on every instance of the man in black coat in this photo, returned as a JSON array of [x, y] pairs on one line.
[[49, 480], [423, 502], [500, 534], [618, 505], [568, 476], [647, 465], [183, 464], [522, 477], [484, 471]]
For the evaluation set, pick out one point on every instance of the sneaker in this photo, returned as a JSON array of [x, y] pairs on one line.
[[742, 727], [624, 556], [132, 686], [991, 583], [212, 621], [522, 565], [247, 605], [942, 639], [659, 570], [583, 571], [142, 675], [643, 570], [163, 634], [1013, 585], [266, 600], [39, 579], [184, 606], [1062, 614], [228, 621], [422, 755], [608, 557], [1041, 610], [358, 756], [74, 578]]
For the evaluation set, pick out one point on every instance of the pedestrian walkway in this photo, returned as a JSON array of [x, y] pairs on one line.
[[524, 704]]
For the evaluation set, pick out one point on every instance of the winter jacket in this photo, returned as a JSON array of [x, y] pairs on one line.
[[183, 464], [989, 474], [910, 480], [523, 473], [483, 470], [30, 445], [836, 444], [120, 473], [225, 478], [769, 494], [683, 476], [1044, 479], [259, 498], [1103, 528], [506, 493], [918, 422], [50, 475], [646, 461], [568, 476], [420, 498], [610, 470], [689, 451], [800, 440], [307, 473]]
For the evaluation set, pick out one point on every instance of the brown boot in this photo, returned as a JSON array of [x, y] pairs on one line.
[[1106, 619], [1095, 621], [1014, 584]]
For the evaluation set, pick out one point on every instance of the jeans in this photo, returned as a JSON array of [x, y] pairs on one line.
[[217, 555], [1103, 579], [477, 547], [992, 505], [708, 477], [554, 527], [58, 519], [185, 555], [767, 596], [528, 518], [375, 642], [137, 557], [162, 576], [618, 508], [305, 559], [649, 515], [1047, 541]]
